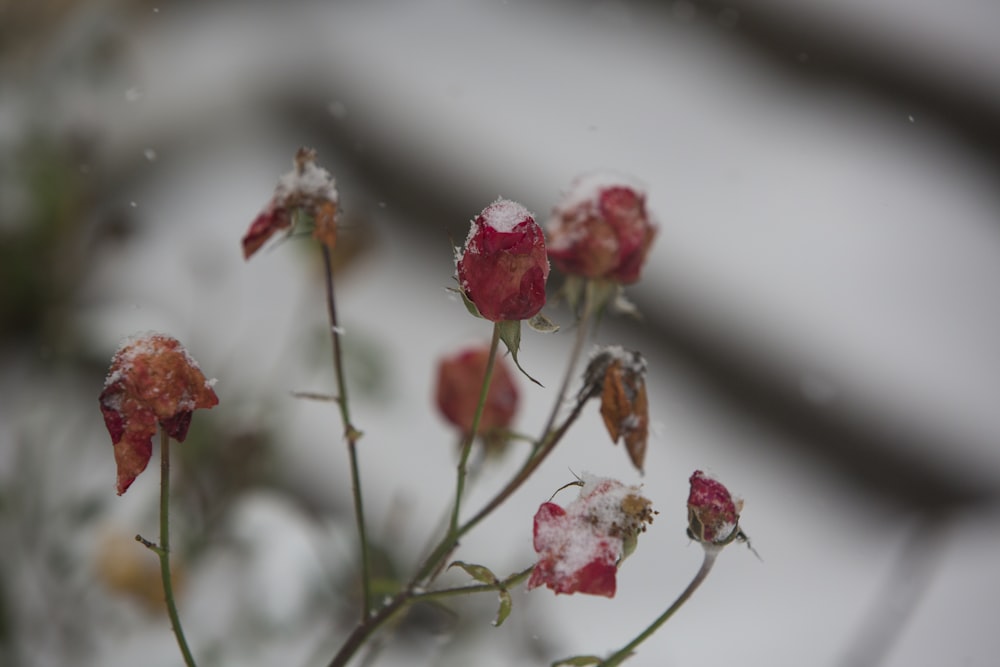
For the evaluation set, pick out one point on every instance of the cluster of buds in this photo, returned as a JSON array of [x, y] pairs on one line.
[[307, 189], [459, 381], [152, 380], [601, 230], [580, 547]]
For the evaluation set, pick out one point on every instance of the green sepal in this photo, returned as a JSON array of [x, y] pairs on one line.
[[600, 293], [629, 542], [505, 606], [579, 661], [542, 324], [484, 575], [480, 573], [572, 291], [510, 334], [469, 306]]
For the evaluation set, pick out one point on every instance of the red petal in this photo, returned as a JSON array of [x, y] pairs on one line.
[[270, 221]]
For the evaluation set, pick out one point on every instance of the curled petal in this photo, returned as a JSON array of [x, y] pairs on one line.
[[152, 380], [580, 547]]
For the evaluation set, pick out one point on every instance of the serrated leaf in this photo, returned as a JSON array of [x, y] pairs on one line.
[[510, 334], [542, 324], [480, 573], [505, 607], [579, 661]]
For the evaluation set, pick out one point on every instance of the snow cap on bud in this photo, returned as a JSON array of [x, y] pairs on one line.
[[580, 547], [459, 382], [309, 189], [601, 229], [152, 380], [503, 267], [713, 513]]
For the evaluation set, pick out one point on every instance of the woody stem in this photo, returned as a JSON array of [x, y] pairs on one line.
[[351, 434]]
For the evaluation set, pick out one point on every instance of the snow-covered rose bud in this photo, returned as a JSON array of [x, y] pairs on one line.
[[580, 547], [601, 229], [503, 267], [309, 189], [459, 382], [152, 380], [713, 513]]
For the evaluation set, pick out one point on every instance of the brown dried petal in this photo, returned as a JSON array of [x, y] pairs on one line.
[[625, 410]]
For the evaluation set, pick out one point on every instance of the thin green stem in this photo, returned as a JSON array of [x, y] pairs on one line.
[[512, 580], [351, 434], [435, 561], [549, 437], [471, 435], [163, 549], [582, 327], [625, 652]]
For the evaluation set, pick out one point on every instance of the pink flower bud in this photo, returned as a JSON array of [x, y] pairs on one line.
[[713, 514], [152, 380], [580, 547], [601, 229], [459, 382], [503, 267]]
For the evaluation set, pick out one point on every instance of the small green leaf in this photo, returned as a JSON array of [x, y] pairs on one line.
[[542, 324], [480, 573], [579, 661], [504, 611], [510, 334]]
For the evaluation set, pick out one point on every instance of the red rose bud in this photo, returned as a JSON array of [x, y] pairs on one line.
[[601, 229], [307, 188], [152, 380], [459, 383], [503, 268], [713, 514], [580, 547]]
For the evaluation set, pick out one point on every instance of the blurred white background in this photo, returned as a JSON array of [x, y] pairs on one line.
[[822, 311]]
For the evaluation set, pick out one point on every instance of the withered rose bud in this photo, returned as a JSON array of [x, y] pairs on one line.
[[459, 382], [152, 380], [619, 377], [713, 514], [503, 268], [601, 229], [580, 547], [308, 189]]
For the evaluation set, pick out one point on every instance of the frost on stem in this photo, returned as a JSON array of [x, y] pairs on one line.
[[459, 380], [580, 547], [152, 380], [503, 266], [601, 229], [308, 189]]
